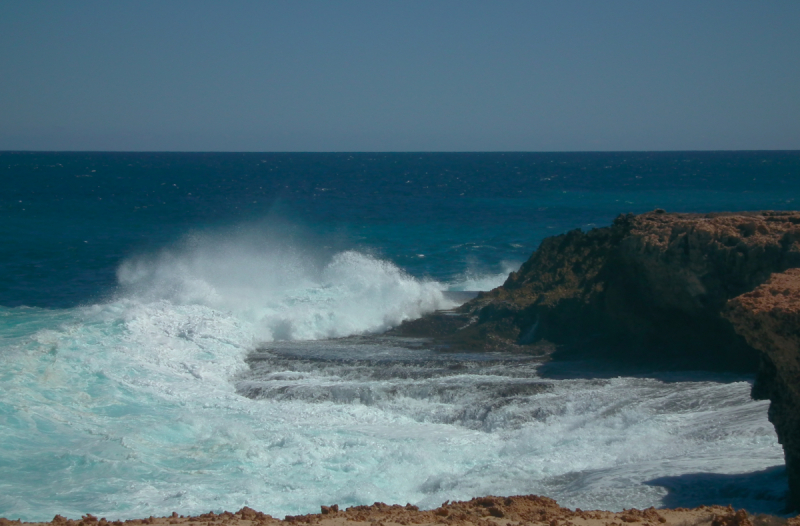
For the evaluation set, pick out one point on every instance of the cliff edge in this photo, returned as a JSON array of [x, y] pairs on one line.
[[648, 289], [769, 319], [657, 289]]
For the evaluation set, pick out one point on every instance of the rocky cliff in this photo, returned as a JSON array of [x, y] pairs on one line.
[[648, 289], [657, 289], [769, 319]]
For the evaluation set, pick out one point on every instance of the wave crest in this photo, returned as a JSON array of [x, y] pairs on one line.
[[285, 292]]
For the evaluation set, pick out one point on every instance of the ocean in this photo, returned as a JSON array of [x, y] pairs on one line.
[[203, 331]]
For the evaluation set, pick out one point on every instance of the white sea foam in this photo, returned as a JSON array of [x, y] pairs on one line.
[[286, 293], [146, 404]]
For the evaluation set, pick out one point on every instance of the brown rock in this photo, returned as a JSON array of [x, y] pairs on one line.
[[652, 290], [769, 319], [517, 511], [733, 518], [647, 289]]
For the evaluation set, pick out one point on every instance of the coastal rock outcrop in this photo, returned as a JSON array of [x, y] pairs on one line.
[[647, 289], [701, 291], [769, 319]]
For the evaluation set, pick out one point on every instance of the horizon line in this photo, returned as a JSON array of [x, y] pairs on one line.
[[400, 151]]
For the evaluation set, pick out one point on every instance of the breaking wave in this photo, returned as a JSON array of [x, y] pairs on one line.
[[211, 382], [285, 293]]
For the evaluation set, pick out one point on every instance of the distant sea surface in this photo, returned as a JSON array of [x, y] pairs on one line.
[[202, 331]]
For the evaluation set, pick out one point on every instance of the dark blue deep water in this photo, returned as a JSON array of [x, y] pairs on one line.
[[202, 331], [68, 219]]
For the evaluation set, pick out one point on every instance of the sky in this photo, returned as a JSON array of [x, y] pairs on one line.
[[427, 75]]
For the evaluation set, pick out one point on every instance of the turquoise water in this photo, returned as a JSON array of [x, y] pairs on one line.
[[185, 332]]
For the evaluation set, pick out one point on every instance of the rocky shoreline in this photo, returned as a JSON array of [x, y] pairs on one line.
[[712, 292], [483, 511], [719, 292]]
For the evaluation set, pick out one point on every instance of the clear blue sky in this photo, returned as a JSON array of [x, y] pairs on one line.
[[428, 75]]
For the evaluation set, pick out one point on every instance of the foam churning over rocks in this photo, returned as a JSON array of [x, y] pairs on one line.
[[652, 290]]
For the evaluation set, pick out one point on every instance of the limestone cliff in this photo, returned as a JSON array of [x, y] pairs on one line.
[[649, 288], [769, 319]]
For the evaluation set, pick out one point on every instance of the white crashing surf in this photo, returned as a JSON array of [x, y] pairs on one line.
[[137, 406], [130, 403], [285, 293]]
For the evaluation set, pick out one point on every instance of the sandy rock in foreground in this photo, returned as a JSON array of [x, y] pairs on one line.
[[483, 511]]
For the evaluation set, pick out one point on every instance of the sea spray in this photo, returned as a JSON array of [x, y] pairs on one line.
[[473, 280], [184, 392], [285, 292], [209, 383]]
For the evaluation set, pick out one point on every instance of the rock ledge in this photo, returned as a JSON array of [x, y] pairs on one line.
[[769, 319]]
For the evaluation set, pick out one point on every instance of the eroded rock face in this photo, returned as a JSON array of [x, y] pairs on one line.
[[654, 289], [769, 319], [648, 288]]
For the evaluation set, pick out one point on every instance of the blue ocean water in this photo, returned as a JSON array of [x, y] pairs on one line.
[[189, 331]]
